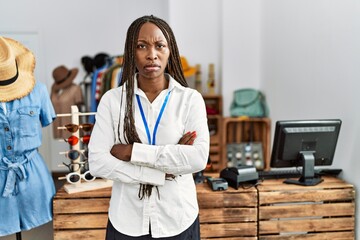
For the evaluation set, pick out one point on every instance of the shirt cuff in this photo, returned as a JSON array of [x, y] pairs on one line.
[[143, 155], [153, 176]]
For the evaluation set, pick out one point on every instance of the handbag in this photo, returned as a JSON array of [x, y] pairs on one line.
[[249, 102]]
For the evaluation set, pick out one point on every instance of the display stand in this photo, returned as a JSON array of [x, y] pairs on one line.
[[81, 185]]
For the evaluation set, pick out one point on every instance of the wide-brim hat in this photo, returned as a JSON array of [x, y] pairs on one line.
[[63, 77], [187, 69], [17, 64]]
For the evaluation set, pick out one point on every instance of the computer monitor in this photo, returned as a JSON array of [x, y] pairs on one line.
[[306, 144]]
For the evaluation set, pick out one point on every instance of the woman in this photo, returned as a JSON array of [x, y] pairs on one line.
[[150, 135]]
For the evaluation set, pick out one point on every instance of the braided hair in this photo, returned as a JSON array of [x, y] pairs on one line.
[[173, 68]]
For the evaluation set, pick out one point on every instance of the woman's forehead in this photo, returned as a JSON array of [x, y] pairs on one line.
[[149, 31]]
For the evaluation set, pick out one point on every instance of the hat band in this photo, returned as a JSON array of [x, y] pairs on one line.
[[66, 77], [11, 80]]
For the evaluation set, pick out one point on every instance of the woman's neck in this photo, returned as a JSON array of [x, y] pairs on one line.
[[152, 87]]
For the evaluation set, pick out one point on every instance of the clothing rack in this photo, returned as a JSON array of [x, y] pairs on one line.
[[99, 81]]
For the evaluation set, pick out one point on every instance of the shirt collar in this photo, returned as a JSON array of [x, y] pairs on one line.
[[172, 84]]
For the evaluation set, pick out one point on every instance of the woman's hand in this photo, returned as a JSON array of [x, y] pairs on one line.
[[122, 151], [188, 138]]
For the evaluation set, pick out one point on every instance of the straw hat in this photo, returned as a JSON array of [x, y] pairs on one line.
[[17, 64], [63, 77], [187, 70]]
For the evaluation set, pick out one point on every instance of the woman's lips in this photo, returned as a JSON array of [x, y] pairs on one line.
[[152, 67]]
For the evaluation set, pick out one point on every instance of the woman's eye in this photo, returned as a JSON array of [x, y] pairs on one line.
[[140, 46], [160, 45]]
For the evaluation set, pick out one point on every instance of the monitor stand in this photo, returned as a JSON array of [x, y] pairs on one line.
[[308, 174]]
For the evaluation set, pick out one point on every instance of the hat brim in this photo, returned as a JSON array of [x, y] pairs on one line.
[[189, 71], [26, 81], [57, 86]]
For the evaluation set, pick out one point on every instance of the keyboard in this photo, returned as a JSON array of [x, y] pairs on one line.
[[296, 173], [275, 174]]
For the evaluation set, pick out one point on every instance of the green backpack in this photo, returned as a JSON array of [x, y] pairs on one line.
[[249, 102]]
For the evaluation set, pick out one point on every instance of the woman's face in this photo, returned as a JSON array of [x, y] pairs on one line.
[[152, 52]]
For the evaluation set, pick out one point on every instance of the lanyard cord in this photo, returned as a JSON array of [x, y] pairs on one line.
[[157, 120]]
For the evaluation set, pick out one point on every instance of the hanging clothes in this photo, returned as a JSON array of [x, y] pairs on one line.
[[95, 90], [110, 78], [107, 75]]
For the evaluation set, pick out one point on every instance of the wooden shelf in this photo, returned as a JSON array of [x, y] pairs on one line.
[[214, 109], [238, 130]]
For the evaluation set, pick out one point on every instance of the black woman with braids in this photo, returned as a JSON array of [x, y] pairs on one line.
[[150, 135]]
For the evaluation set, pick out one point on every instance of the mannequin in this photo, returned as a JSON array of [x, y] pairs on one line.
[[64, 93], [26, 185]]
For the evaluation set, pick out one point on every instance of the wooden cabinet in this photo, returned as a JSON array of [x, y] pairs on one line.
[[214, 109], [324, 211], [243, 129]]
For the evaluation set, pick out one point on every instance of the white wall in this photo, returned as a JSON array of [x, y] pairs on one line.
[[64, 31], [310, 68], [197, 27], [240, 47]]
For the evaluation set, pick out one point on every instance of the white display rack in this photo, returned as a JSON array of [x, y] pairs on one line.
[[81, 186]]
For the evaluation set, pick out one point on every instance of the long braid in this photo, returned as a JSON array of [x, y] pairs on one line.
[[173, 68]]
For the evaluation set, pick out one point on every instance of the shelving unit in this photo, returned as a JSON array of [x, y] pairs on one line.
[[215, 111], [244, 129]]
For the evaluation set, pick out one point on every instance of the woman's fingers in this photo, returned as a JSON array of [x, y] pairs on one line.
[[188, 138]]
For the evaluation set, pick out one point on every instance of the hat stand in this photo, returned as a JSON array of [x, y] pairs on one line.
[[81, 185]]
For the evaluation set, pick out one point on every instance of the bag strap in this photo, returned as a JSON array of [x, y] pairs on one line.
[[262, 103], [258, 94]]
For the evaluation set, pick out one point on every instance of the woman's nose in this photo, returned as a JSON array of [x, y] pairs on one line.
[[152, 54]]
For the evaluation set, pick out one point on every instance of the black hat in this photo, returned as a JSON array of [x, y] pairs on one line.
[[88, 64], [100, 60]]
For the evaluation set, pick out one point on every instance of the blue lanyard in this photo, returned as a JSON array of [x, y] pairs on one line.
[[157, 120]]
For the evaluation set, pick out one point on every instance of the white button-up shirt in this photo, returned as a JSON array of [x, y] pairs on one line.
[[175, 208]]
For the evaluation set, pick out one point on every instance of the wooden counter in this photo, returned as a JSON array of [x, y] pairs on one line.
[[272, 210], [230, 214], [81, 215], [325, 211]]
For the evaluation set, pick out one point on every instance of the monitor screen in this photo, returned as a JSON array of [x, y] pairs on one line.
[[305, 143]]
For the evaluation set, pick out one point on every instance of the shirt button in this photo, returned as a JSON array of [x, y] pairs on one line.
[[8, 147], [6, 129], [31, 112]]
